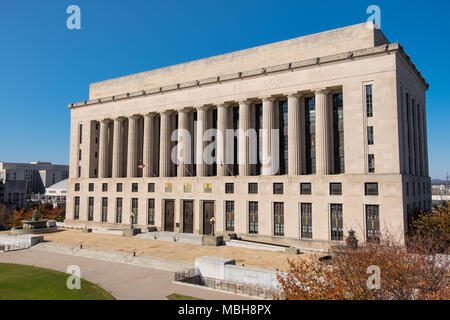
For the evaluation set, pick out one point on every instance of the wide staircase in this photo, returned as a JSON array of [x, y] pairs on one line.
[[172, 237], [115, 256]]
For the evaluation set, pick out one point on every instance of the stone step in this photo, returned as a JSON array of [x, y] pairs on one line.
[[252, 245], [114, 256]]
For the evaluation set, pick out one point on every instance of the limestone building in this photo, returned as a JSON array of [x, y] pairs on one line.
[[17, 180], [348, 109]]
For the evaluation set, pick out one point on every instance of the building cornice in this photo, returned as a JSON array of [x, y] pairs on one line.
[[387, 48]]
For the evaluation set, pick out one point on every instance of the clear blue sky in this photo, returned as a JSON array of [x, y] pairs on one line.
[[44, 66]]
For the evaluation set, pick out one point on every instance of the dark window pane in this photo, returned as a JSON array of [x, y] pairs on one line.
[[336, 189], [371, 189], [305, 188], [306, 220], [277, 188]]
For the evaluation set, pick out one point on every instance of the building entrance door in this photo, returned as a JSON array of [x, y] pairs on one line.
[[208, 213], [169, 215], [188, 216]]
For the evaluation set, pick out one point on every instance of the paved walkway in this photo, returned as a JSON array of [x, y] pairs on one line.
[[123, 281]]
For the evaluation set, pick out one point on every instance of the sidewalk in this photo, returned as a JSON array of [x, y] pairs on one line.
[[123, 281]]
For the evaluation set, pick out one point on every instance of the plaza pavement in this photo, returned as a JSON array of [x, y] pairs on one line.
[[123, 281]]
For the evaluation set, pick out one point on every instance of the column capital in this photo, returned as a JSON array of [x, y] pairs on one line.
[[223, 105], [166, 112], [134, 116], [119, 119], [150, 115], [244, 101], [321, 90], [203, 107], [107, 120], [268, 98], [294, 94], [183, 110]]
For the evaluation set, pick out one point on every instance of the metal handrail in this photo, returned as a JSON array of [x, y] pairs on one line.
[[132, 252], [75, 249]]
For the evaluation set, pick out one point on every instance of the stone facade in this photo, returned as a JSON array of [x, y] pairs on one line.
[[350, 109]]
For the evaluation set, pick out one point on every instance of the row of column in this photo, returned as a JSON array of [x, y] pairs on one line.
[[295, 140], [414, 136]]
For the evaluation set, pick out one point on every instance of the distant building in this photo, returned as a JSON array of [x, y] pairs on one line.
[[56, 194], [19, 179]]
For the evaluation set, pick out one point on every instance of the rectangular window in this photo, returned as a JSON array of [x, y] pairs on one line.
[[337, 230], [277, 188], [252, 188], [104, 209], [229, 215], [371, 188], [310, 135], [104, 187], [369, 100], [79, 155], [373, 223], [119, 210], [79, 172], [336, 189], [151, 187], [278, 211], [81, 133], [91, 209], [253, 217], [283, 136], [76, 208], [229, 187], [306, 220], [371, 163], [370, 139], [77, 187], [338, 134], [119, 187], [134, 187], [151, 212], [91, 187], [305, 188], [134, 210]]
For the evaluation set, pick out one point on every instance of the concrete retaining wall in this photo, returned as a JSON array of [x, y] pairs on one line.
[[226, 269]]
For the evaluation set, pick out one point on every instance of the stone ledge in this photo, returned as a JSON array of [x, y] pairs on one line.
[[252, 73], [280, 67], [213, 241], [208, 80]]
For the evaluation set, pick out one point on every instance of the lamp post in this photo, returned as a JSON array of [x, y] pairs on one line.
[[212, 221], [131, 219]]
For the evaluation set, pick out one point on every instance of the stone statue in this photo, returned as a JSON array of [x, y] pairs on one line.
[[35, 216]]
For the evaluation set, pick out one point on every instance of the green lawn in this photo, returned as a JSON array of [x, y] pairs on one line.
[[19, 282], [176, 296]]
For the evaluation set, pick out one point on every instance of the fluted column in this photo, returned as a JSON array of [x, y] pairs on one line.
[[244, 123], [294, 135], [183, 146], [268, 162], [148, 148], [103, 149], [322, 143], [201, 128], [222, 120], [164, 153], [132, 148], [117, 149]]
